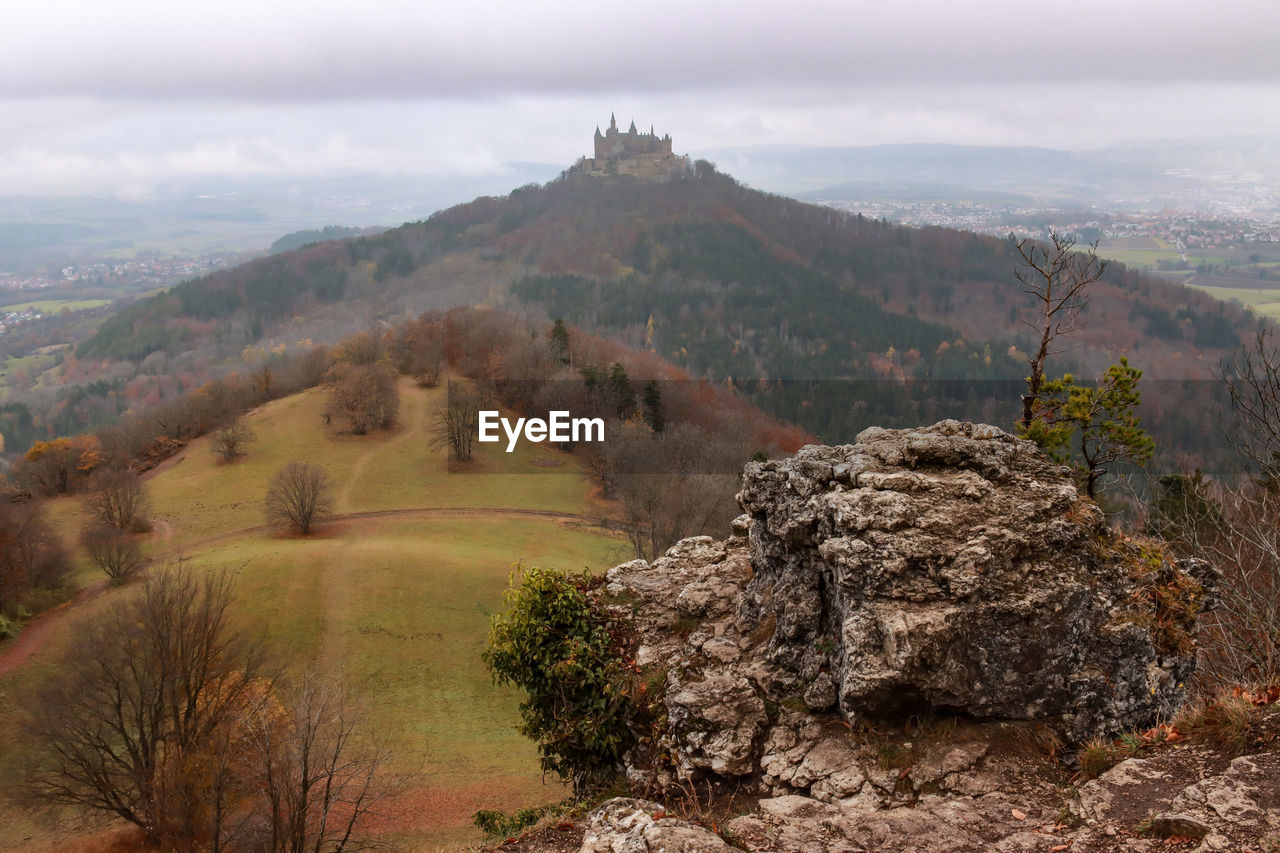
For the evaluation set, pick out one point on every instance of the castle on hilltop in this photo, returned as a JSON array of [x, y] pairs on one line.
[[633, 153]]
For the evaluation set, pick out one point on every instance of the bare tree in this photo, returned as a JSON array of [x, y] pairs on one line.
[[31, 555], [458, 421], [229, 442], [300, 495], [1057, 277], [319, 773], [118, 500], [138, 697], [672, 484], [1253, 381], [1237, 529], [114, 551]]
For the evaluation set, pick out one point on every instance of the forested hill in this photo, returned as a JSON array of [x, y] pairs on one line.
[[720, 279]]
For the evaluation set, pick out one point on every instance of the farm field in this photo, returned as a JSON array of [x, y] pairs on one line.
[[394, 595], [53, 306], [1265, 302]]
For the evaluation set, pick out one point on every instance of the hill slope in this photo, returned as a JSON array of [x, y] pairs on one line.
[[396, 592], [722, 280]]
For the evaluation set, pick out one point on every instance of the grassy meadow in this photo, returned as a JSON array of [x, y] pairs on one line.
[[397, 603], [54, 306], [1264, 302]]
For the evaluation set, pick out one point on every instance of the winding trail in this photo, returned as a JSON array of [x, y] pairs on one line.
[[34, 635]]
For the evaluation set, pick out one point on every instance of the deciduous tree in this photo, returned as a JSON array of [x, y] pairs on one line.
[[1057, 278], [114, 551], [300, 495], [366, 396], [229, 442], [31, 556], [144, 686], [118, 500]]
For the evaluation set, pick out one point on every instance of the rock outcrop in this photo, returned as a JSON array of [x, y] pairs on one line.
[[949, 570], [948, 584]]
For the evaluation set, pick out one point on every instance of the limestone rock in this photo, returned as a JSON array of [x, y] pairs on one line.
[[626, 825], [954, 567]]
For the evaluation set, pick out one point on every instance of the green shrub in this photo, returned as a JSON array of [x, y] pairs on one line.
[[498, 824], [9, 627], [569, 660]]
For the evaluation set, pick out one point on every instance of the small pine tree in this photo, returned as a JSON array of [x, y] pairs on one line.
[[560, 342], [653, 413], [620, 390], [1101, 422]]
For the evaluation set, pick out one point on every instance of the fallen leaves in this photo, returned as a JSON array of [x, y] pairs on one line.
[[1262, 696]]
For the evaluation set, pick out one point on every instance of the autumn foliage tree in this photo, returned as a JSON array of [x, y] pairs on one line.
[[32, 559], [142, 687], [365, 396], [165, 716], [59, 466]]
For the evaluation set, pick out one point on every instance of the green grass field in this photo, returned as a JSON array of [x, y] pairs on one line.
[[53, 306], [1265, 303], [399, 605]]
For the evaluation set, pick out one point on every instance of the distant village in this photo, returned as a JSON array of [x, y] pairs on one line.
[[1184, 230], [138, 273]]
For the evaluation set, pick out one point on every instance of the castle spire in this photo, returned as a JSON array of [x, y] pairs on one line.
[[613, 122], [632, 131], [598, 133]]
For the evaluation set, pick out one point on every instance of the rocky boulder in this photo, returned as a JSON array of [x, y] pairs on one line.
[[955, 567], [947, 570]]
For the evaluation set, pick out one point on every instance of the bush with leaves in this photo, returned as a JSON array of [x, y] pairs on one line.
[[570, 662]]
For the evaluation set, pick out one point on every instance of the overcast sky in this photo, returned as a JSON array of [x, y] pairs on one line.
[[117, 96]]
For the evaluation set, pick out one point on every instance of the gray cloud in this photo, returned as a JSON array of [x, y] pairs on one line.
[[116, 97], [397, 48]]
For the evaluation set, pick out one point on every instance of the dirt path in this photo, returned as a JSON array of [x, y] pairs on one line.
[[414, 512], [407, 431], [335, 579], [34, 635]]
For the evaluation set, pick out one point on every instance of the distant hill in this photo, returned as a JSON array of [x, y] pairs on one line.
[[724, 281], [1118, 178], [298, 239]]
